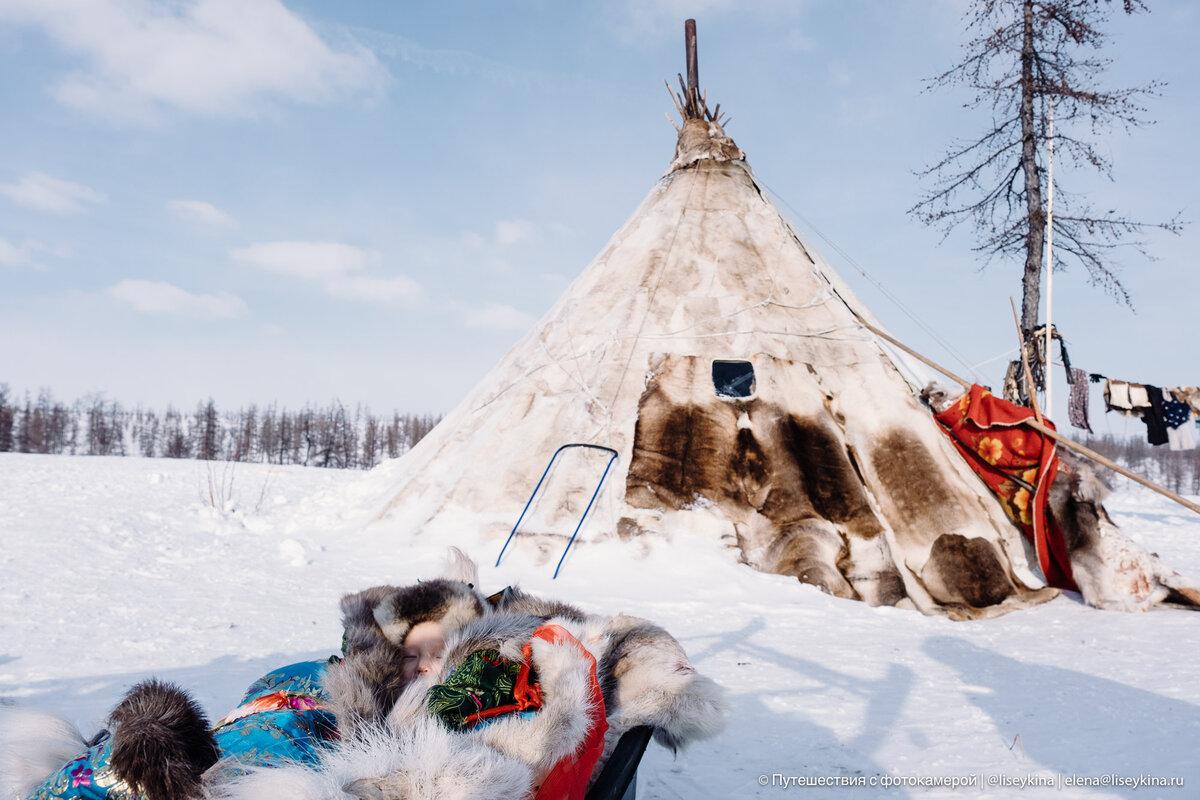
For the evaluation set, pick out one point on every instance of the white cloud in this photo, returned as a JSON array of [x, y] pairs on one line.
[[206, 57], [43, 192], [308, 260], [201, 214], [339, 268], [514, 231], [157, 297], [12, 255], [369, 289], [25, 253], [497, 317], [797, 41]]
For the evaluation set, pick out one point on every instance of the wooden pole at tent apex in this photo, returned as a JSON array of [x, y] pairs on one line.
[[1070, 444], [693, 64]]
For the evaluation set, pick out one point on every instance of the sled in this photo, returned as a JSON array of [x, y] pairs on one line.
[[611, 458], [618, 779]]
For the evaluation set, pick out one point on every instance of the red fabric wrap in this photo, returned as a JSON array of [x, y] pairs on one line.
[[568, 779], [990, 433]]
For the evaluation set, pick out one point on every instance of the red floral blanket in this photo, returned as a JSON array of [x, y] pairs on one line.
[[1018, 464]]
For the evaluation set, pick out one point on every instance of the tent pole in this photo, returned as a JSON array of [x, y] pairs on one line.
[[1070, 444], [1050, 263], [1030, 389], [966, 384]]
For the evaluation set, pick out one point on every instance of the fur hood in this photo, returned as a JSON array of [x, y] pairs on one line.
[[366, 683]]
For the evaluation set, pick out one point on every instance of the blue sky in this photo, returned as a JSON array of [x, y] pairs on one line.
[[372, 201]]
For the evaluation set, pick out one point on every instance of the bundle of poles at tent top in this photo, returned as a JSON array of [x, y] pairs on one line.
[[1039, 426]]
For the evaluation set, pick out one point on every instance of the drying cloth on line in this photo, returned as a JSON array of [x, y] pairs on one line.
[[1180, 433], [1182, 438], [1175, 413], [1156, 426], [1125, 397], [1189, 395], [1077, 402], [1044, 358], [1008, 455]]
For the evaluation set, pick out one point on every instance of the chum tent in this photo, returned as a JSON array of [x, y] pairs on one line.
[[726, 384]]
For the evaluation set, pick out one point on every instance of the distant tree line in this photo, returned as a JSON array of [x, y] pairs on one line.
[[1178, 470], [331, 436]]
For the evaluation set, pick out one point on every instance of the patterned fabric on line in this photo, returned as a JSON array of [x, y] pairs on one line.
[[1077, 402]]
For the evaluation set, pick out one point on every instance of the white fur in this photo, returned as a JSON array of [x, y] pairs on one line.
[[558, 729], [411, 705], [1117, 575], [658, 686], [33, 745], [424, 762], [1112, 571], [461, 567]]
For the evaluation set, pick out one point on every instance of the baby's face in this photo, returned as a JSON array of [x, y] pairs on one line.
[[423, 648]]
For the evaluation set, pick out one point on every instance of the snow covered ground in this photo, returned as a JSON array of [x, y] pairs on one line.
[[114, 569]]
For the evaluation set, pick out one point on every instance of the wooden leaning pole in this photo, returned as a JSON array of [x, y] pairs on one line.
[[1070, 444]]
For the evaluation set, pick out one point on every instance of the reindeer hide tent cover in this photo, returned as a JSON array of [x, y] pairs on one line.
[[725, 362]]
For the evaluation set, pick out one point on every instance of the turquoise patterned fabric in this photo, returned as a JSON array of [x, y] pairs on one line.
[[266, 738], [261, 738], [88, 777]]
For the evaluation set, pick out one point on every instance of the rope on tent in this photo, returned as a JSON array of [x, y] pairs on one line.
[[954, 352], [578, 380], [653, 292], [1005, 354]]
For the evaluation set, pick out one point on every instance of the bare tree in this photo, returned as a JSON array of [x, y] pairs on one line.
[[210, 434], [7, 413], [1024, 57], [176, 441], [245, 440]]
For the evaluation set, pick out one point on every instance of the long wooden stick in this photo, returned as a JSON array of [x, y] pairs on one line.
[[1030, 389], [887, 337], [1070, 444], [1049, 375]]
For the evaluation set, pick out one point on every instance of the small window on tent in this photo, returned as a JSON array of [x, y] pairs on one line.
[[733, 378]]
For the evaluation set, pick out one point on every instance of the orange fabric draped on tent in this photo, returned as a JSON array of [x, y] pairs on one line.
[[1018, 464]]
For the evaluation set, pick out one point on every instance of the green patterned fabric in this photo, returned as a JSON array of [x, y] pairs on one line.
[[484, 680]]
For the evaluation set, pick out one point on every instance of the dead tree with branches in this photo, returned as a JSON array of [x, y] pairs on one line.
[[1027, 59]]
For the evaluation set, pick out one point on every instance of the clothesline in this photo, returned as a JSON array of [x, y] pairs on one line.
[[1166, 412]]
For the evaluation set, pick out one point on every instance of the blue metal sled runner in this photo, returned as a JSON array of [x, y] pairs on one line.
[[612, 457]]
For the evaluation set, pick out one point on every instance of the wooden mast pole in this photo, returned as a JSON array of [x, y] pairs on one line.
[[693, 64], [1070, 444], [1049, 372]]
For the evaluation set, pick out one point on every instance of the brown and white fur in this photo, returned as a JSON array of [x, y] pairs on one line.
[[1111, 571]]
